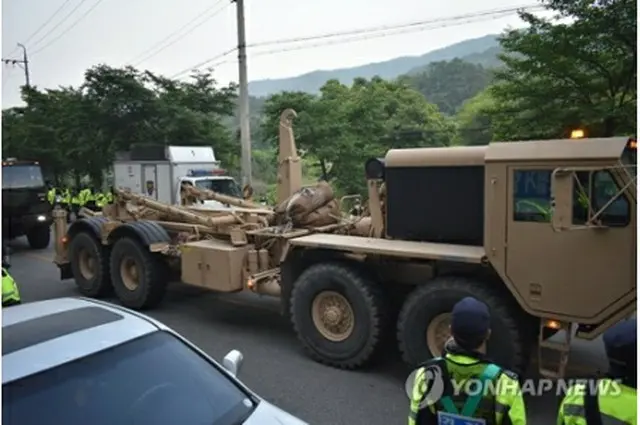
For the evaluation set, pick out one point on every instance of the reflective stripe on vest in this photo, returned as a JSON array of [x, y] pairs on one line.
[[578, 411]]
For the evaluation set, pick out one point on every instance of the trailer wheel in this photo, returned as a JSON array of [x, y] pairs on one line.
[[39, 237], [90, 266], [340, 317], [138, 276], [423, 325]]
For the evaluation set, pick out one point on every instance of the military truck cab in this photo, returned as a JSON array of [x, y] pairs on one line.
[[25, 209], [543, 232], [556, 222]]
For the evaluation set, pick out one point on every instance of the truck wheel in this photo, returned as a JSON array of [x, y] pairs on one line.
[[39, 237], [339, 316], [423, 325], [138, 276], [90, 266]]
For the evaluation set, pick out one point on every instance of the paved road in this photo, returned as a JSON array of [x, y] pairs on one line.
[[275, 366]]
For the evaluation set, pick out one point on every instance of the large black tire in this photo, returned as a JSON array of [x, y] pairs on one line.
[[370, 315], [507, 345], [39, 237], [98, 283], [151, 270]]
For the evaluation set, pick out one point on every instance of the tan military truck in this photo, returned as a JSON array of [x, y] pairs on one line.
[[440, 224]]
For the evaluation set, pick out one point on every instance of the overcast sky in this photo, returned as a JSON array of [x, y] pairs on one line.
[[119, 32]]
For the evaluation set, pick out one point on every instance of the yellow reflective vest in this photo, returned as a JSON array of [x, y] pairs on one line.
[[51, 196], [10, 293], [617, 402], [506, 400]]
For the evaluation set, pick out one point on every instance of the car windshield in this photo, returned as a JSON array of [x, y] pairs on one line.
[[153, 380], [21, 176], [227, 187]]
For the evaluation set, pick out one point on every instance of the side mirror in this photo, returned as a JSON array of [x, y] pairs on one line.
[[561, 199], [233, 362]]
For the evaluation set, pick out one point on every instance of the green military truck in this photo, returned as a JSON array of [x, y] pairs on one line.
[[25, 209]]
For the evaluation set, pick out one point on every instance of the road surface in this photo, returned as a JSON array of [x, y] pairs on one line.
[[275, 365]]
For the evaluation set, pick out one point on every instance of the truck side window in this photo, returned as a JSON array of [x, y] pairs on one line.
[[602, 187], [532, 196]]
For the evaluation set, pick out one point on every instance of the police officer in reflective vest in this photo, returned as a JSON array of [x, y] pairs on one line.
[[610, 403], [465, 387], [10, 293]]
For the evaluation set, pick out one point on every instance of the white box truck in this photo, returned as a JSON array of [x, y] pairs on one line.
[[158, 172]]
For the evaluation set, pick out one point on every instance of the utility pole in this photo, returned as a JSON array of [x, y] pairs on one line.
[[24, 62], [245, 128]]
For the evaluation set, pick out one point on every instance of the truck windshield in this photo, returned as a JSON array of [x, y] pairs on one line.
[[156, 379], [21, 176], [227, 187]]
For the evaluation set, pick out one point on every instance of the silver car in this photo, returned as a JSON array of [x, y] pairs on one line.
[[76, 361]]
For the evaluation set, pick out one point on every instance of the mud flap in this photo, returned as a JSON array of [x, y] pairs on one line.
[[65, 271]]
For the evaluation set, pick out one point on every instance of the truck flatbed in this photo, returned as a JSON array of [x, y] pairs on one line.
[[393, 248]]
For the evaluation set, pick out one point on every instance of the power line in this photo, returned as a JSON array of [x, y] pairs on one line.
[[208, 18], [195, 18], [379, 28], [204, 62], [374, 32], [45, 23], [374, 36], [67, 16], [69, 28]]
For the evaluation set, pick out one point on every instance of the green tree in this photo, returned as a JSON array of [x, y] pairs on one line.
[[475, 120], [344, 126], [449, 84], [77, 131], [560, 76]]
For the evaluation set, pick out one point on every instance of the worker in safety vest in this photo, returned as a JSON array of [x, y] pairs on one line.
[[85, 196], [613, 400], [10, 293], [51, 195], [438, 395], [76, 202]]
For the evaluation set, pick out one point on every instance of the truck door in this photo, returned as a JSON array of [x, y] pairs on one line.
[[567, 271], [150, 180]]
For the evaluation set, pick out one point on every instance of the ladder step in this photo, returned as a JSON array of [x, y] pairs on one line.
[[558, 346], [555, 364]]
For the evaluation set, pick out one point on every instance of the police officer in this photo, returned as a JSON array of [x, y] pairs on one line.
[[51, 194], [10, 293], [617, 400], [494, 397]]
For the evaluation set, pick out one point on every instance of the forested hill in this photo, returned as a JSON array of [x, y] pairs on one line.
[[481, 50]]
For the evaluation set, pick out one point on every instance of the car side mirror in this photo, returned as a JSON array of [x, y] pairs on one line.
[[232, 362]]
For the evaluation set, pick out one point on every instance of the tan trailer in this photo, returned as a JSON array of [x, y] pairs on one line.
[[544, 232]]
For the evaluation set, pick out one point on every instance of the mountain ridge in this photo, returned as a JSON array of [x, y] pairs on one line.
[[478, 50]]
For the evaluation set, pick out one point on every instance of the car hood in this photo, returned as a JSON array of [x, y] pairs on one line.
[[268, 414]]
